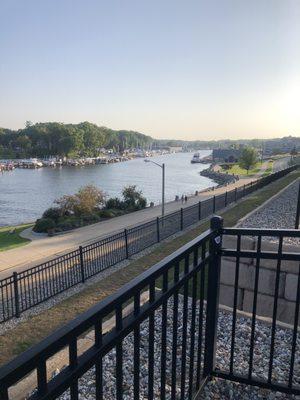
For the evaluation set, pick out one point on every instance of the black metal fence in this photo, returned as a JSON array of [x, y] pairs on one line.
[[166, 345], [26, 289]]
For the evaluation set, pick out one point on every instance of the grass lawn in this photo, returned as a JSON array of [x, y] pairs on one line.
[[39, 326], [10, 237], [236, 170]]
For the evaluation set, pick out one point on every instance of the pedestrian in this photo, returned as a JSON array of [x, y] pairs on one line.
[[182, 199], [185, 198]]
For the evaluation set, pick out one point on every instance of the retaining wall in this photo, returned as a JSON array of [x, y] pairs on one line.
[[288, 280]]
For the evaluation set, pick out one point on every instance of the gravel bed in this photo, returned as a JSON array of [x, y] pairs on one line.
[[278, 213], [217, 388]]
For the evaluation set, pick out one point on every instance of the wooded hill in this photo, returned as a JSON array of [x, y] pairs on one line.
[[57, 139]]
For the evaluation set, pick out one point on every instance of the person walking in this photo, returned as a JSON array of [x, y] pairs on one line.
[[185, 198], [182, 199]]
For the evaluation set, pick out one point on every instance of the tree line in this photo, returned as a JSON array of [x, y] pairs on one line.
[[58, 139]]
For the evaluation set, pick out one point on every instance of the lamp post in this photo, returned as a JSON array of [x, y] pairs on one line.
[[162, 166]]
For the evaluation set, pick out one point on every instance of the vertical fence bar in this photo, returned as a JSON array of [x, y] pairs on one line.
[[244, 190], [157, 229], [126, 242], [199, 210], [81, 264], [235, 194], [298, 210], [16, 292], [214, 204], [181, 219], [226, 199], [215, 244]]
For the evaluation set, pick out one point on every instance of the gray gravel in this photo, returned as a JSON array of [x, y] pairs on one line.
[[216, 389], [278, 213]]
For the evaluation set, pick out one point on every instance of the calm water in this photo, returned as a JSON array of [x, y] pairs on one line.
[[25, 194]]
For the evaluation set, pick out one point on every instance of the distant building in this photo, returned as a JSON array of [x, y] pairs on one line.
[[226, 155], [282, 145]]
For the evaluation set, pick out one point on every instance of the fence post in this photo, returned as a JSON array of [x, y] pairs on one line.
[[226, 198], [199, 210], [244, 190], [298, 210], [157, 229], [126, 243], [235, 194], [214, 204], [181, 219], [16, 291], [215, 244], [81, 264]]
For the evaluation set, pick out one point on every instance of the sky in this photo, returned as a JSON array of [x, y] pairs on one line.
[[188, 69]]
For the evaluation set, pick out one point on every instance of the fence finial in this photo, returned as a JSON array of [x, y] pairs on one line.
[[216, 222]]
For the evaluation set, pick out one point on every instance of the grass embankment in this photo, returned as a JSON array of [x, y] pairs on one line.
[[10, 237], [37, 327], [235, 169]]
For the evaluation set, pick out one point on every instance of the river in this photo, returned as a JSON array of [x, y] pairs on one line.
[[26, 193]]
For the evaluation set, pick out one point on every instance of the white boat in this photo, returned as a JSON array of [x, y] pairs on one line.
[[196, 158]]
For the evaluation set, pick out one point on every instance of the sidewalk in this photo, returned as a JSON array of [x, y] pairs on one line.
[[43, 247]]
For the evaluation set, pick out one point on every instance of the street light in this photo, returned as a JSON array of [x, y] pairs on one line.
[[162, 166]]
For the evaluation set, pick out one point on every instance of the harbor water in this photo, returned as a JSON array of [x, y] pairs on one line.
[[26, 193]]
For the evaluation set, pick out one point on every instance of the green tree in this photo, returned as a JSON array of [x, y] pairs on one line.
[[248, 158], [133, 198]]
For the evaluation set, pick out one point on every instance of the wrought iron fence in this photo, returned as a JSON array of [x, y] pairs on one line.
[[165, 345], [26, 289]]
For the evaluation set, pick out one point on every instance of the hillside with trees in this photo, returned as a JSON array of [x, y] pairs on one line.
[[57, 139]]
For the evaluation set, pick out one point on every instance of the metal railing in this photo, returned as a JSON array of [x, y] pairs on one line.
[[166, 346], [21, 291]]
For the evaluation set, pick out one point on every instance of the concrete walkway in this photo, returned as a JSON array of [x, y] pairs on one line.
[[42, 248]]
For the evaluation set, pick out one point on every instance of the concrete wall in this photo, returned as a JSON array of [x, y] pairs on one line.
[[288, 280]]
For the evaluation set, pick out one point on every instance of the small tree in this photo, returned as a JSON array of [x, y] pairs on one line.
[[90, 199], [87, 200], [133, 198], [248, 158]]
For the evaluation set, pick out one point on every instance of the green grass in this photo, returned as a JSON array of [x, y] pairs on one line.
[[237, 170], [10, 237], [37, 327]]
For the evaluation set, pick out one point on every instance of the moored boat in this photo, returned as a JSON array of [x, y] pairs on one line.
[[196, 158]]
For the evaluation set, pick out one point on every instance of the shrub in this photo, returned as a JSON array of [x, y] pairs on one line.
[[64, 226], [133, 198], [114, 203], [43, 225], [107, 213], [85, 201], [89, 199], [53, 213], [90, 218]]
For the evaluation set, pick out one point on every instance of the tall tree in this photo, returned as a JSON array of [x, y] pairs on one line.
[[248, 158]]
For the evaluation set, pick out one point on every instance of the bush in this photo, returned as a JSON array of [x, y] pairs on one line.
[[43, 225], [67, 223], [53, 213], [65, 226], [114, 203], [90, 218], [107, 213]]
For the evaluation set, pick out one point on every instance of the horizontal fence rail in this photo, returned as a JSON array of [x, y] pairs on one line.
[[26, 289], [167, 337], [173, 293]]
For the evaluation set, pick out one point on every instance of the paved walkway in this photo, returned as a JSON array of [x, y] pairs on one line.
[[43, 247]]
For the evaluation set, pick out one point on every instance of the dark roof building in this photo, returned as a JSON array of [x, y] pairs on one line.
[[226, 155]]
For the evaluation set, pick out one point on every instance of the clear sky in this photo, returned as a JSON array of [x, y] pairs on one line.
[[169, 68]]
